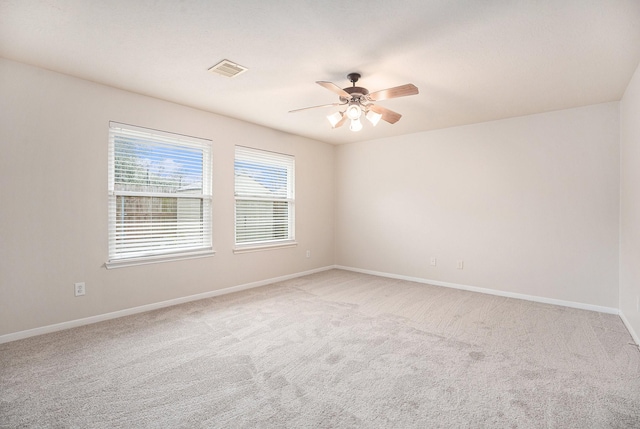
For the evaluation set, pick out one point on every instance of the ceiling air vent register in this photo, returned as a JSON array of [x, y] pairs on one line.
[[228, 69]]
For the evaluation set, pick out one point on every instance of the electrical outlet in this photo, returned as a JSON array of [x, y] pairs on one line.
[[460, 265], [308, 253], [433, 261], [79, 289]]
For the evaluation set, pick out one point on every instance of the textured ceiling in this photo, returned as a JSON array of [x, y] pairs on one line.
[[473, 61]]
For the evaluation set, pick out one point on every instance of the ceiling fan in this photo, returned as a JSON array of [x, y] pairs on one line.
[[359, 102]]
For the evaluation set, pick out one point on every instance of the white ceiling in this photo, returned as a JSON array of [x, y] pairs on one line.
[[472, 60]]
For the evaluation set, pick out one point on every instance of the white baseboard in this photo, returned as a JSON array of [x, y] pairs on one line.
[[149, 307], [634, 334], [571, 304]]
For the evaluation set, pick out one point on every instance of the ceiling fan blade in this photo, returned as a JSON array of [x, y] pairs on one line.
[[341, 121], [335, 89], [398, 91], [387, 115], [315, 107]]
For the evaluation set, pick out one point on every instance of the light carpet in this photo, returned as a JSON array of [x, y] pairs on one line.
[[334, 349]]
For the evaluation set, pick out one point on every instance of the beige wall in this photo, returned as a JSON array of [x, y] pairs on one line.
[[53, 194], [530, 204], [630, 203]]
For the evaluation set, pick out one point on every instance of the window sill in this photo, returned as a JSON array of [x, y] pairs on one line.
[[264, 246], [131, 262]]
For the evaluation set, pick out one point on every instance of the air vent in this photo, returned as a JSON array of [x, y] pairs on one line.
[[228, 69]]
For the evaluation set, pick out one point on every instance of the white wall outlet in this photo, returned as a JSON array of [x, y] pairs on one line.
[[79, 289], [308, 253], [434, 261], [460, 265]]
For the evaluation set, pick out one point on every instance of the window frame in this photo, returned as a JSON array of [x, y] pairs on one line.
[[279, 160], [154, 137]]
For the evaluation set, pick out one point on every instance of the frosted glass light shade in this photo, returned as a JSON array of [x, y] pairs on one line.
[[353, 111], [373, 117], [356, 125], [334, 119]]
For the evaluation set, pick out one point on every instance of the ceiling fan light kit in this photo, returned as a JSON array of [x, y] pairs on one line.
[[359, 102]]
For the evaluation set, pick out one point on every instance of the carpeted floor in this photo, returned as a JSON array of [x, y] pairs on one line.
[[331, 350]]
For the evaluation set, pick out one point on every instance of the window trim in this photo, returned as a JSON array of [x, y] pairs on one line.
[[249, 248], [206, 195], [169, 257]]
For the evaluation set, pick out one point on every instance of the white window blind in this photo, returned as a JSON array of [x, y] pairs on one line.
[[264, 191], [159, 194]]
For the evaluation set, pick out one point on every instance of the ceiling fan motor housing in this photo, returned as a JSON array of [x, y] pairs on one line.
[[357, 93]]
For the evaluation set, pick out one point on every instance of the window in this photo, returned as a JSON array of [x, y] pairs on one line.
[[264, 190], [159, 196]]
